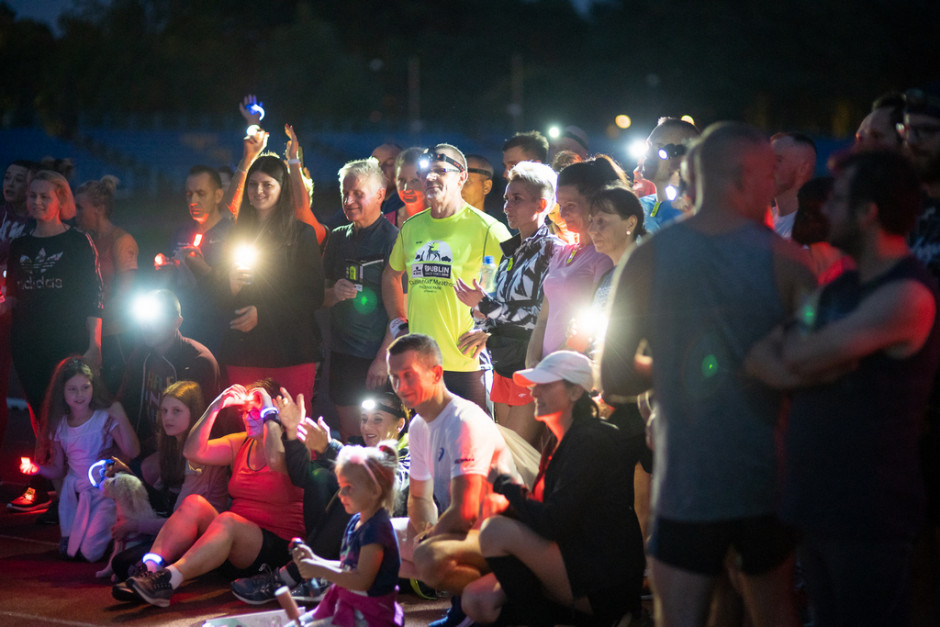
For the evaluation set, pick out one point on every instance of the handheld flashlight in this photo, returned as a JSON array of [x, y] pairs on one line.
[[252, 130], [145, 308], [27, 467], [197, 239], [245, 256]]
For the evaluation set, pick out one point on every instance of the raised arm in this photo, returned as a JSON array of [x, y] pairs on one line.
[[199, 448], [252, 147], [302, 210]]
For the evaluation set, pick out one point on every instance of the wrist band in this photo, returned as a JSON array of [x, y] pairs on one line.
[[293, 162], [270, 414]]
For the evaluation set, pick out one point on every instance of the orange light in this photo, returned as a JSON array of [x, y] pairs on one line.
[[27, 467]]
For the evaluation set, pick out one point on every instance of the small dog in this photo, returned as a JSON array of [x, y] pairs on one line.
[[130, 498]]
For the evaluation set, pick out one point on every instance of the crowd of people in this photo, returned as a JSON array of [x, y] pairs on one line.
[[683, 380]]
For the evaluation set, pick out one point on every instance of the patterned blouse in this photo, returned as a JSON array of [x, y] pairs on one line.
[[517, 298]]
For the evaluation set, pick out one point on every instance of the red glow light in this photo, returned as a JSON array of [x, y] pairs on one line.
[[27, 467]]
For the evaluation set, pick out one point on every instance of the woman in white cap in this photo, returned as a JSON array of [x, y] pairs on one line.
[[570, 550]]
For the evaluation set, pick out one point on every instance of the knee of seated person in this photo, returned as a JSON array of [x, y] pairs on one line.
[[192, 503], [430, 567], [493, 534], [479, 604]]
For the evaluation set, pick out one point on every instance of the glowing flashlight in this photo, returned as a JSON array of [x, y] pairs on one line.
[[146, 308], [197, 239], [637, 148], [96, 473], [252, 130], [554, 132], [368, 404], [257, 108], [424, 164], [671, 192], [27, 467], [245, 256]]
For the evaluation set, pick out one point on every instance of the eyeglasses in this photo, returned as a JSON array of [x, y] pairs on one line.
[[917, 132]]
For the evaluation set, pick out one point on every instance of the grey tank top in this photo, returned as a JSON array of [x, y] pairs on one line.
[[713, 296]]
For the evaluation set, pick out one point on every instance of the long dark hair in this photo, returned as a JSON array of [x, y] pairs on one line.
[[618, 200], [589, 177], [54, 407], [281, 226], [170, 449]]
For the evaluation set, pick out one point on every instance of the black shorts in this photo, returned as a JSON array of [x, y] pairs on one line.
[[761, 543], [273, 552], [348, 378]]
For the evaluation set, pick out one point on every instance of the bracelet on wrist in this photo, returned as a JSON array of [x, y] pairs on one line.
[[270, 414], [293, 162]]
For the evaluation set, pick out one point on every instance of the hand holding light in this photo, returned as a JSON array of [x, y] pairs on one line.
[[27, 467]]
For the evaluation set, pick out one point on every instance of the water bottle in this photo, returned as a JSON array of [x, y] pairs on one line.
[[488, 274]]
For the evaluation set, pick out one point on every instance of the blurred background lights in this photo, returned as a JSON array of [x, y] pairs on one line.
[[623, 121], [554, 132], [688, 118]]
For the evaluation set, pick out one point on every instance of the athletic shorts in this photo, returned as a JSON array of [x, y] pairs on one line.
[[761, 543], [506, 391], [273, 552], [348, 379]]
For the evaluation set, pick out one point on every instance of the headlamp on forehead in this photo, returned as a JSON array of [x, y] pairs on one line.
[[425, 161], [671, 151], [383, 404]]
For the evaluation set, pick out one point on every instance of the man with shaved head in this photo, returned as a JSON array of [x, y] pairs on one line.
[[796, 162], [716, 470]]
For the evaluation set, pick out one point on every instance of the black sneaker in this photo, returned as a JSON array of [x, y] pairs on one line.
[[51, 515], [310, 592], [154, 588], [32, 500], [123, 593], [258, 589]]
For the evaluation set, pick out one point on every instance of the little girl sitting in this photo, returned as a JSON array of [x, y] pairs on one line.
[[364, 591], [79, 427]]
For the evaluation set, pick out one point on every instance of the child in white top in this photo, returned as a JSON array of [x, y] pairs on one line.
[[78, 427]]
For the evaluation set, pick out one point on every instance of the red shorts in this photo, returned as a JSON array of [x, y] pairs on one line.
[[506, 391], [297, 379]]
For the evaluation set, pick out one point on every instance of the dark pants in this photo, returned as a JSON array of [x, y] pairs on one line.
[[858, 582], [468, 385]]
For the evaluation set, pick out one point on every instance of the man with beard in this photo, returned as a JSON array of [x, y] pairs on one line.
[[861, 355]]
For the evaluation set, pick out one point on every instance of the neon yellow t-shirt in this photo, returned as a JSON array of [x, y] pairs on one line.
[[434, 253]]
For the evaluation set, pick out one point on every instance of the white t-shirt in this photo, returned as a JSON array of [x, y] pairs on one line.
[[462, 440], [783, 225]]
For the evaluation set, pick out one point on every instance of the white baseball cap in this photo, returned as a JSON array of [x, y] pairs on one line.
[[559, 366]]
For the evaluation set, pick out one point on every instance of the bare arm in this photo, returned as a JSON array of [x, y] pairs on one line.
[[625, 371], [93, 354], [464, 506], [422, 512], [534, 353], [123, 432], [360, 578], [253, 145], [392, 293], [56, 467], [199, 448], [301, 196]]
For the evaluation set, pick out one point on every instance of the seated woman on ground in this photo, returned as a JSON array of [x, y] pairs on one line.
[[79, 426], [168, 476], [311, 457], [569, 552], [266, 510]]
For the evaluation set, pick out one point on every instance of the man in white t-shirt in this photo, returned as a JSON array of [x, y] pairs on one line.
[[453, 446]]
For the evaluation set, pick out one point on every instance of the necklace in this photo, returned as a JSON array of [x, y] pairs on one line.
[[251, 444]]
